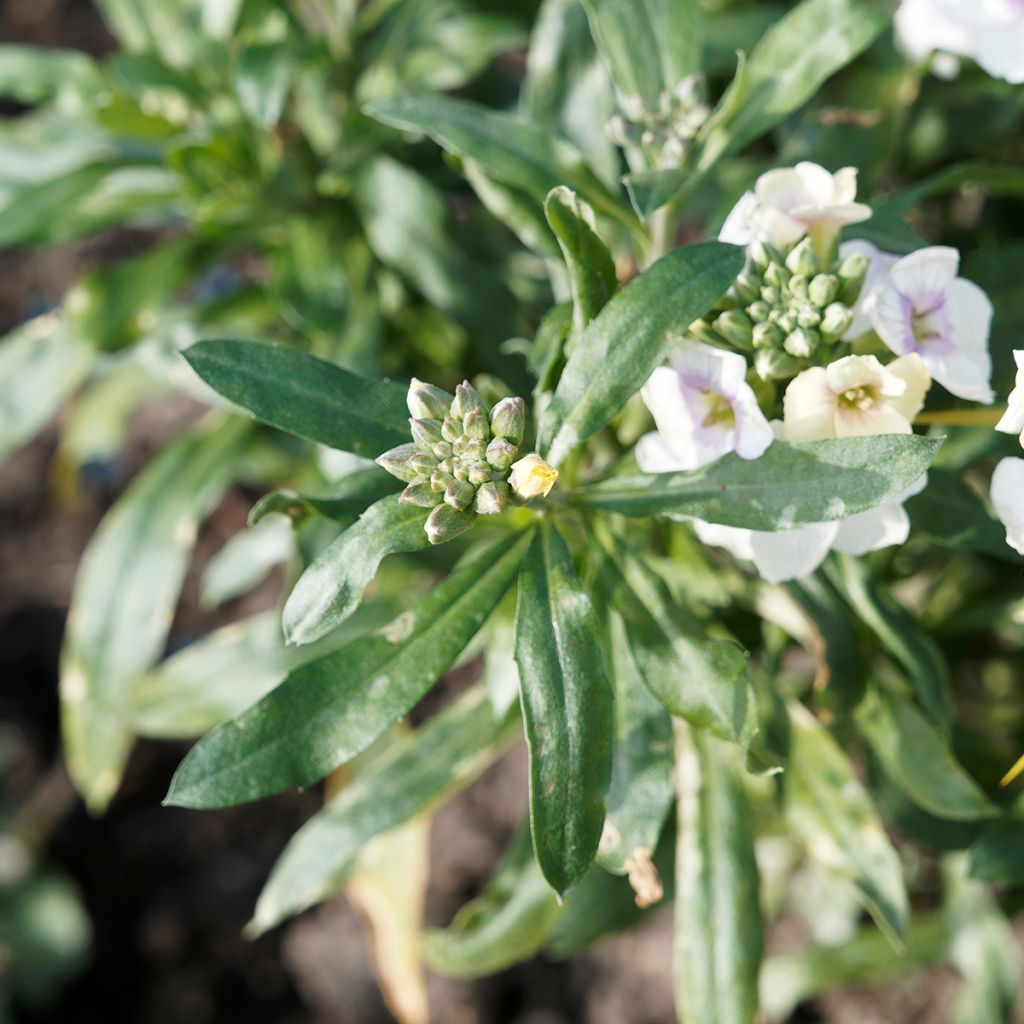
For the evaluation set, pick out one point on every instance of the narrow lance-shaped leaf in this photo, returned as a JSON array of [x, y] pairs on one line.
[[511, 149], [590, 264], [305, 395], [649, 45], [789, 486], [331, 587], [567, 710], [833, 815], [124, 598], [718, 935], [508, 923], [917, 758], [630, 337], [348, 498], [414, 774], [330, 709]]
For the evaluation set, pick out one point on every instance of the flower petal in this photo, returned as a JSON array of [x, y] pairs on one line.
[[809, 407], [738, 228], [791, 554], [924, 276], [970, 315], [879, 527], [1007, 493], [653, 454], [913, 372]]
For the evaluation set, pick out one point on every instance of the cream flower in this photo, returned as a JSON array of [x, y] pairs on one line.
[[917, 303], [791, 202], [1012, 421], [703, 408], [532, 477], [855, 396], [1007, 494]]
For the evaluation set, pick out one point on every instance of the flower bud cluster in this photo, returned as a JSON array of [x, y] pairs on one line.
[[663, 134], [788, 306], [460, 456]]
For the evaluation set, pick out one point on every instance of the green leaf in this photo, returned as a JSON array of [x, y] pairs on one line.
[[650, 45], [332, 586], [590, 264], [509, 148], [917, 758], [332, 708], [349, 497], [953, 515], [898, 632], [567, 710], [305, 395], [630, 337], [33, 74], [40, 365], [998, 856], [262, 78], [414, 774], [833, 815], [508, 923], [789, 486], [218, 676], [124, 598], [245, 560], [718, 936], [640, 793], [695, 677]]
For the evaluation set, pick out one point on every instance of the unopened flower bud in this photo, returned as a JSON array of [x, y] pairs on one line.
[[479, 473], [398, 462], [836, 321], [501, 454], [823, 289], [474, 451], [767, 335], [423, 463], [777, 275], [702, 331], [802, 259], [761, 254], [460, 470], [787, 321], [440, 479], [798, 285], [422, 494], [426, 401], [451, 429], [426, 433], [446, 523], [758, 311], [492, 498], [801, 343], [466, 401], [443, 450], [532, 477], [808, 316], [508, 420], [852, 272], [735, 326], [747, 290], [771, 295], [460, 494], [475, 426], [774, 364]]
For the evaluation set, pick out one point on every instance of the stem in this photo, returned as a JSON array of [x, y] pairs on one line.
[[962, 417]]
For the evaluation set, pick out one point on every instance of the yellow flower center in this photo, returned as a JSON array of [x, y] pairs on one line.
[[720, 409], [863, 398]]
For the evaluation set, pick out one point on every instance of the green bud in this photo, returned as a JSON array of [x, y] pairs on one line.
[[492, 498], [771, 295], [761, 254], [398, 462], [475, 425], [702, 331], [427, 402], [423, 463], [798, 285], [466, 401], [852, 272], [758, 311], [460, 494], [479, 473], [773, 364], [767, 336], [787, 321], [802, 259], [443, 450], [808, 316], [422, 494], [446, 523], [801, 343], [461, 471], [508, 420], [823, 289], [474, 451], [441, 478], [501, 454], [426, 433], [451, 429], [746, 289], [777, 275], [836, 321], [735, 326]]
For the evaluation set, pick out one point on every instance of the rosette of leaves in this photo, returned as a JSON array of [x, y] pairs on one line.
[[459, 460]]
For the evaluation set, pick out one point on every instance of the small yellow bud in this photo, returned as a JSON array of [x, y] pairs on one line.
[[532, 477]]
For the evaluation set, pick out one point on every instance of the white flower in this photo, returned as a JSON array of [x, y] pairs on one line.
[[853, 396], [1007, 494], [990, 32], [1012, 421], [917, 303], [791, 202], [532, 477], [703, 408]]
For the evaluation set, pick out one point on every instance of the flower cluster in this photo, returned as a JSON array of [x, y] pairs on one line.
[[664, 134], [820, 318], [459, 461]]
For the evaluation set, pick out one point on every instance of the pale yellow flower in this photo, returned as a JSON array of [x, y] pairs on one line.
[[532, 477]]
